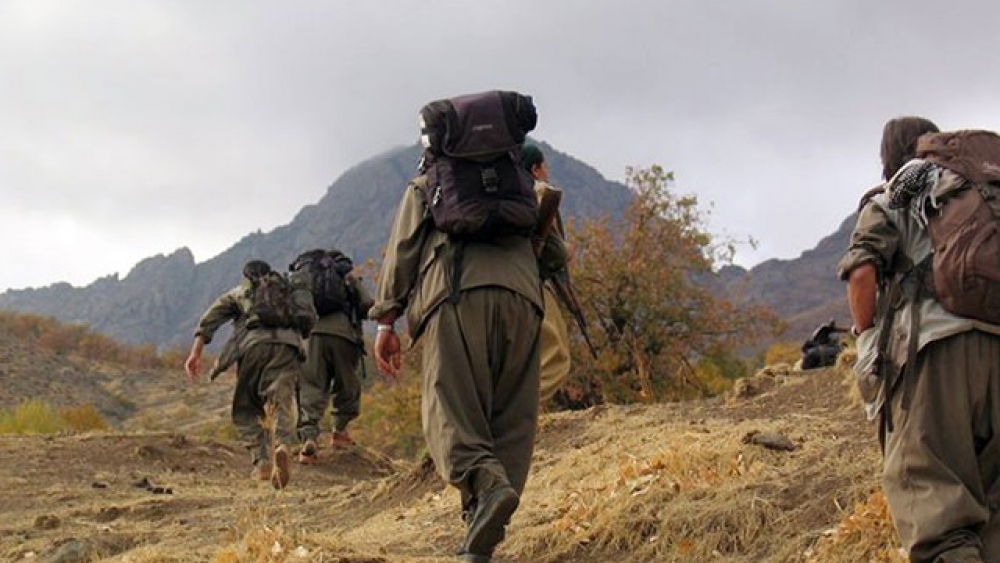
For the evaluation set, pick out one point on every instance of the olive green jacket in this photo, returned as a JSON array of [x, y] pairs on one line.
[[417, 273], [233, 306], [348, 324]]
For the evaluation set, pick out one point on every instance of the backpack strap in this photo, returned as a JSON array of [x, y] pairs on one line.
[[869, 195], [457, 250], [885, 310], [910, 286]]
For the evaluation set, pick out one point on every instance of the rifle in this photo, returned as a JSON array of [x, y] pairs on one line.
[[563, 289], [549, 198], [230, 352]]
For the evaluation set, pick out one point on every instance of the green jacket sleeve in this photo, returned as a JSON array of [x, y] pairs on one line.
[[875, 239], [226, 308], [364, 297], [400, 267]]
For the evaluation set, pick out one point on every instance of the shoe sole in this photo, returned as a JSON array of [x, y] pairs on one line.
[[308, 459], [487, 529], [473, 558], [282, 469]]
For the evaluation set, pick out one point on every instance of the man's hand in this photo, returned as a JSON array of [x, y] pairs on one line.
[[388, 355], [193, 367]]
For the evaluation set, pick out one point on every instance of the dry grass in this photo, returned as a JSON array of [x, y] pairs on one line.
[[700, 495], [664, 483], [83, 418], [865, 535]]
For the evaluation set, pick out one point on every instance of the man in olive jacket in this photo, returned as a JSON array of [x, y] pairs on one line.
[[937, 394], [268, 364], [480, 358], [330, 374]]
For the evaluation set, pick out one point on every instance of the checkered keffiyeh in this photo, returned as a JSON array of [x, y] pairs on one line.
[[916, 177]]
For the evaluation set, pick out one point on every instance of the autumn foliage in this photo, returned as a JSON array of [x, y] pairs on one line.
[[78, 340], [645, 284]]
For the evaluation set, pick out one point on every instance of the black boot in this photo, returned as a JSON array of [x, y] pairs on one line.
[[493, 511]]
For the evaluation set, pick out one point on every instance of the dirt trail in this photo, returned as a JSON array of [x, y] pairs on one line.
[[146, 498]]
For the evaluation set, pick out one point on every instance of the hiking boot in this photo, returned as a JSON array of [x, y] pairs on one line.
[[309, 454], [341, 439], [487, 527], [282, 470], [261, 471]]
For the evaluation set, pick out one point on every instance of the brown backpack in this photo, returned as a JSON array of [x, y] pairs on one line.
[[965, 229]]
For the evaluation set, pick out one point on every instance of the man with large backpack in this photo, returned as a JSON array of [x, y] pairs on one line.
[[336, 345], [270, 319], [459, 265], [926, 366]]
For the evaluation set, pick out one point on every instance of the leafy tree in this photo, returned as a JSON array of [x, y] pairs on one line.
[[645, 281]]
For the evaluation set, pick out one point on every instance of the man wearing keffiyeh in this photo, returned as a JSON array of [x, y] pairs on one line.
[[931, 377]]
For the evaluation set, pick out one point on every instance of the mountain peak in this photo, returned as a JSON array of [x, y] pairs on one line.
[[162, 297]]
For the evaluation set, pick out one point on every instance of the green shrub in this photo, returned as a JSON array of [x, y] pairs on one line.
[[32, 416]]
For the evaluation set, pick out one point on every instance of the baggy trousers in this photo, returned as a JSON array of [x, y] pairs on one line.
[[267, 374], [330, 371], [942, 457], [553, 348], [479, 403]]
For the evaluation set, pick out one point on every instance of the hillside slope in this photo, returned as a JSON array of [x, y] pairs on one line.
[[804, 291], [682, 482]]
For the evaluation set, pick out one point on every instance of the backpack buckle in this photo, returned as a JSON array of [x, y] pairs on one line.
[[490, 178], [987, 192]]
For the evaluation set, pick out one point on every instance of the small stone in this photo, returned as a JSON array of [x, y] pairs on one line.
[[47, 522]]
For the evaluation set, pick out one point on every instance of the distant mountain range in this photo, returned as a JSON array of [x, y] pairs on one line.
[[160, 300], [805, 290]]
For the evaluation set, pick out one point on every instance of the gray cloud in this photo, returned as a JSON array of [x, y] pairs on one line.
[[129, 129]]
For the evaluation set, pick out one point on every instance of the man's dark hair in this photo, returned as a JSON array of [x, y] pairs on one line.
[[899, 142], [254, 269]]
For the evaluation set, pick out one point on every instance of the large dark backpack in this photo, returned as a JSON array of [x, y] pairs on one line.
[[965, 229], [476, 186], [324, 273], [272, 302]]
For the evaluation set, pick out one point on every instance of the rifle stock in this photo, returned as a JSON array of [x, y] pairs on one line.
[[229, 354], [549, 198]]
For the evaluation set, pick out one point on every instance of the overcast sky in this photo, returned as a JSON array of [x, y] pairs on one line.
[[133, 128]]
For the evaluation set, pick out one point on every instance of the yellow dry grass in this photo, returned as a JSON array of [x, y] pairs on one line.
[[657, 483]]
